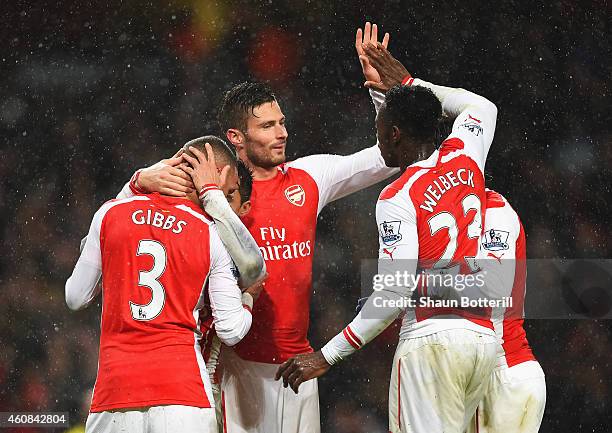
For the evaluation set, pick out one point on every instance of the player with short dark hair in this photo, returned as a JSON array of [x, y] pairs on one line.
[[445, 355], [238, 104]]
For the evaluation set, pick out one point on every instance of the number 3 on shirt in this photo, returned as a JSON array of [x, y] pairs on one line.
[[150, 279], [446, 220]]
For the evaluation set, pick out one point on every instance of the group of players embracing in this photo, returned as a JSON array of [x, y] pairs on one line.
[[206, 266]]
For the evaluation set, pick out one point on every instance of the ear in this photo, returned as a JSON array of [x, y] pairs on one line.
[[395, 134], [235, 137], [244, 208]]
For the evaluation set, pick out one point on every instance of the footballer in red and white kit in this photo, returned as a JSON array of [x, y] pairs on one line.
[[158, 256], [515, 399], [283, 221], [286, 201], [430, 217]]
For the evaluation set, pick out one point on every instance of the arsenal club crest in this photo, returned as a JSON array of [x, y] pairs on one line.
[[296, 195]]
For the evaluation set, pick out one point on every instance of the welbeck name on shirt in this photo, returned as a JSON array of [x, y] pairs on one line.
[[434, 192]]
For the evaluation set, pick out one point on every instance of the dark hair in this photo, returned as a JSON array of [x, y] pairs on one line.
[[415, 110], [246, 181], [239, 102], [224, 155]]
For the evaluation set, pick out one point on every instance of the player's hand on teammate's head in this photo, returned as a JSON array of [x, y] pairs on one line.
[[369, 34], [301, 368], [390, 70], [166, 177], [203, 168]]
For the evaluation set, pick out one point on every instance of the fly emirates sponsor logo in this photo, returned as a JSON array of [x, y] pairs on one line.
[[274, 247], [444, 183]]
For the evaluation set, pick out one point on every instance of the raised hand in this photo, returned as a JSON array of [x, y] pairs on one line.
[[166, 178], [390, 70], [203, 168], [301, 368], [368, 35]]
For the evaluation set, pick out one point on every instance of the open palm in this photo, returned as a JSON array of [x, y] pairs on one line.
[[369, 34]]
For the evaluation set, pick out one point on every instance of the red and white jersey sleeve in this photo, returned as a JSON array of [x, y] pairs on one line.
[[232, 319], [337, 176], [82, 286], [396, 220], [475, 119], [502, 258]]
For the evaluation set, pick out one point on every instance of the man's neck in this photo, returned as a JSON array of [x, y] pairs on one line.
[[415, 153], [261, 173]]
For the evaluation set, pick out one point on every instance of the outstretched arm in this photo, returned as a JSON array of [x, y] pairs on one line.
[[382, 307]]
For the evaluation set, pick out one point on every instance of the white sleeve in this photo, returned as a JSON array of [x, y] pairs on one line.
[[231, 318], [126, 191], [82, 286], [497, 254], [399, 250], [241, 246], [475, 118], [338, 176], [377, 98]]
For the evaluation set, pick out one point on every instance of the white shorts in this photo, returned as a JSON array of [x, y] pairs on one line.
[[254, 402], [154, 419], [438, 380], [514, 402]]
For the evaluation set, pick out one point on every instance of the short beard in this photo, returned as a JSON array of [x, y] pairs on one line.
[[263, 161]]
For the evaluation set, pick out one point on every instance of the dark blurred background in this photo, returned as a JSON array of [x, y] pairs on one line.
[[91, 91]]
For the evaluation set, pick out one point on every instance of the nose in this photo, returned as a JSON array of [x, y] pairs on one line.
[[281, 132]]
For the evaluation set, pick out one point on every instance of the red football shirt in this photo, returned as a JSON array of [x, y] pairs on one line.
[[157, 256], [283, 221]]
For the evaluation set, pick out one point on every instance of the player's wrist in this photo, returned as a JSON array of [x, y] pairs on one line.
[[331, 356], [247, 301], [134, 185], [206, 188], [407, 80]]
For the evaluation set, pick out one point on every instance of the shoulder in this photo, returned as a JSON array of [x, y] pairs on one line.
[[500, 215], [403, 183], [307, 165], [118, 203], [196, 214], [303, 170]]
